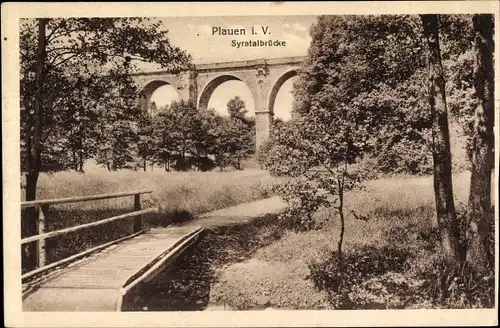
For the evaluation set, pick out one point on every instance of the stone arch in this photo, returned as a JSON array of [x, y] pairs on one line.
[[276, 87], [214, 82], [149, 88]]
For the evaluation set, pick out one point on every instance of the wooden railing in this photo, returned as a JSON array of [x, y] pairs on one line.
[[39, 258]]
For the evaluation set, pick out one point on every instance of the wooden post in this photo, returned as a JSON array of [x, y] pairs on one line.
[[43, 212], [29, 228], [138, 218]]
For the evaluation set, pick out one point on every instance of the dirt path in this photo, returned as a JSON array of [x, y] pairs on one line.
[[229, 237], [238, 214]]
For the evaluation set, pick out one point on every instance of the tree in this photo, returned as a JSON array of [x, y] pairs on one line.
[[183, 131], [59, 58], [118, 125], [223, 146], [204, 125], [33, 141], [240, 132], [480, 216], [443, 188], [153, 109], [321, 146], [87, 45], [146, 138], [163, 146], [360, 93], [236, 108]]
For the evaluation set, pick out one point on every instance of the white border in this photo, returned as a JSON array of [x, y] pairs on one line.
[[14, 317]]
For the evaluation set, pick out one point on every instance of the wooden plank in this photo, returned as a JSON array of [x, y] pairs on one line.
[[72, 299], [180, 246], [81, 199], [119, 270], [84, 226], [75, 257]]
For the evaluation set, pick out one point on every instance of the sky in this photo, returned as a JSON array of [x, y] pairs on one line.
[[194, 34]]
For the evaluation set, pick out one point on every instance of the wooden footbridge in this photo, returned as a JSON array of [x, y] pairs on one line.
[[100, 278]]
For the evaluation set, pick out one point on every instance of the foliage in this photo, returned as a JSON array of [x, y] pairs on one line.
[[234, 136], [361, 92], [83, 73], [146, 137], [183, 133], [190, 137], [377, 65], [117, 127], [342, 98], [452, 286], [303, 199], [237, 109], [381, 69], [348, 89], [360, 265], [456, 36]]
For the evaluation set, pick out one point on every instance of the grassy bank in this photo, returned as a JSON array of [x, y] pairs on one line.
[[180, 196], [391, 261], [195, 192]]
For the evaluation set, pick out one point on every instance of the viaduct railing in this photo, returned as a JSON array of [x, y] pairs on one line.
[[39, 238]]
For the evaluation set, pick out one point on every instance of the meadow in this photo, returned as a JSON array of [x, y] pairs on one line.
[[179, 196], [392, 260]]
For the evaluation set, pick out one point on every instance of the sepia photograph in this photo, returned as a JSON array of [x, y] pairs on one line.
[[275, 158]]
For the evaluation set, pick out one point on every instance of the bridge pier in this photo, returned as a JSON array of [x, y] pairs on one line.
[[263, 122]]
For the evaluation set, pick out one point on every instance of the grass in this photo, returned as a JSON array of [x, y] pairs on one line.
[[180, 196], [195, 192], [392, 260]]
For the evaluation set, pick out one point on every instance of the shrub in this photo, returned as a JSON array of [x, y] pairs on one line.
[[303, 201], [449, 285], [360, 265]]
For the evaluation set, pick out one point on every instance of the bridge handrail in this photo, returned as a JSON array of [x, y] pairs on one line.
[[38, 258], [69, 200], [84, 226]]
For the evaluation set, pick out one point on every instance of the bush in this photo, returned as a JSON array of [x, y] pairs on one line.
[[303, 201], [360, 266], [449, 285]]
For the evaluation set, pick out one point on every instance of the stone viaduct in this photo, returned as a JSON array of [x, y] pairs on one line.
[[263, 77]]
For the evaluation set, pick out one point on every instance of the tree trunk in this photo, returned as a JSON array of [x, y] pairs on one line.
[[30, 225], [144, 165], [443, 188], [183, 159], [35, 149], [341, 237], [75, 162], [480, 216], [80, 161]]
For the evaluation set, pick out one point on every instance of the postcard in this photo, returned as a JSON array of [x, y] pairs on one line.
[[250, 164]]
